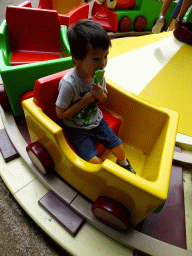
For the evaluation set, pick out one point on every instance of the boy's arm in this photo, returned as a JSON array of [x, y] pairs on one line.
[[99, 93], [63, 113]]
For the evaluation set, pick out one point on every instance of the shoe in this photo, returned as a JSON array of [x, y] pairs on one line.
[[158, 25], [127, 167]]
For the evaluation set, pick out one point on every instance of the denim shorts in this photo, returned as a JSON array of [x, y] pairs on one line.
[[84, 140], [177, 9]]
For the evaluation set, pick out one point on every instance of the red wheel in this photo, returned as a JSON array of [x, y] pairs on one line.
[[125, 24], [111, 212], [40, 157], [26, 96], [140, 24], [4, 101]]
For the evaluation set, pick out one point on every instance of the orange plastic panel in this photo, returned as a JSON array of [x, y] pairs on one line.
[[62, 6], [77, 13]]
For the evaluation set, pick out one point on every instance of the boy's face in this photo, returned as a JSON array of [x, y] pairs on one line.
[[94, 60]]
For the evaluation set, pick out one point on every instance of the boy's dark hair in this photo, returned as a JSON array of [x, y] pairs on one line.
[[85, 33]]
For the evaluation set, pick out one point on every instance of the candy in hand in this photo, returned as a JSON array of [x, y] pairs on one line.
[[98, 77]]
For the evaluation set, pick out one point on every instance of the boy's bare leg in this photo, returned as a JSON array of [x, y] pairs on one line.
[[120, 155], [119, 152], [95, 160]]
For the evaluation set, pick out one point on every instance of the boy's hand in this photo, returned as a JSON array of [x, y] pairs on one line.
[[98, 92]]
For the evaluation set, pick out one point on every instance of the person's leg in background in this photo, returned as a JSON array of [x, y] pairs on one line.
[[175, 15]]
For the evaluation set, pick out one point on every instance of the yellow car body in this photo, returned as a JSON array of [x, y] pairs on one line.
[[148, 133]]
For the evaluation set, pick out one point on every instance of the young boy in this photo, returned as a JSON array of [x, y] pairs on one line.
[[78, 95]]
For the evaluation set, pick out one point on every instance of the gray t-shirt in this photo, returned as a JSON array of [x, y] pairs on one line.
[[72, 88]]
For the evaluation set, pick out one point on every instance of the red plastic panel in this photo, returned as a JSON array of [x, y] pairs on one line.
[[46, 92], [125, 4], [46, 4], [26, 96], [27, 57], [45, 96], [104, 16], [33, 29], [114, 123], [25, 4], [76, 14]]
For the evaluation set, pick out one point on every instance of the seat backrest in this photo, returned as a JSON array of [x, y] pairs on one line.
[[77, 13], [46, 92], [33, 29], [62, 6]]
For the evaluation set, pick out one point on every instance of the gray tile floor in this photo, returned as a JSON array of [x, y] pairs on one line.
[[3, 5]]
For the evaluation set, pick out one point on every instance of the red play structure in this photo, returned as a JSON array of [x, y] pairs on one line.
[[34, 34]]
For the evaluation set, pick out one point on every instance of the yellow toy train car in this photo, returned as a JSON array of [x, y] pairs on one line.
[[148, 133]]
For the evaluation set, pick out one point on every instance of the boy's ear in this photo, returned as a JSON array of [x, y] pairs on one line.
[[76, 60]]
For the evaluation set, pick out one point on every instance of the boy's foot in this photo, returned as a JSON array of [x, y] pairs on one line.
[[158, 25], [127, 167]]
